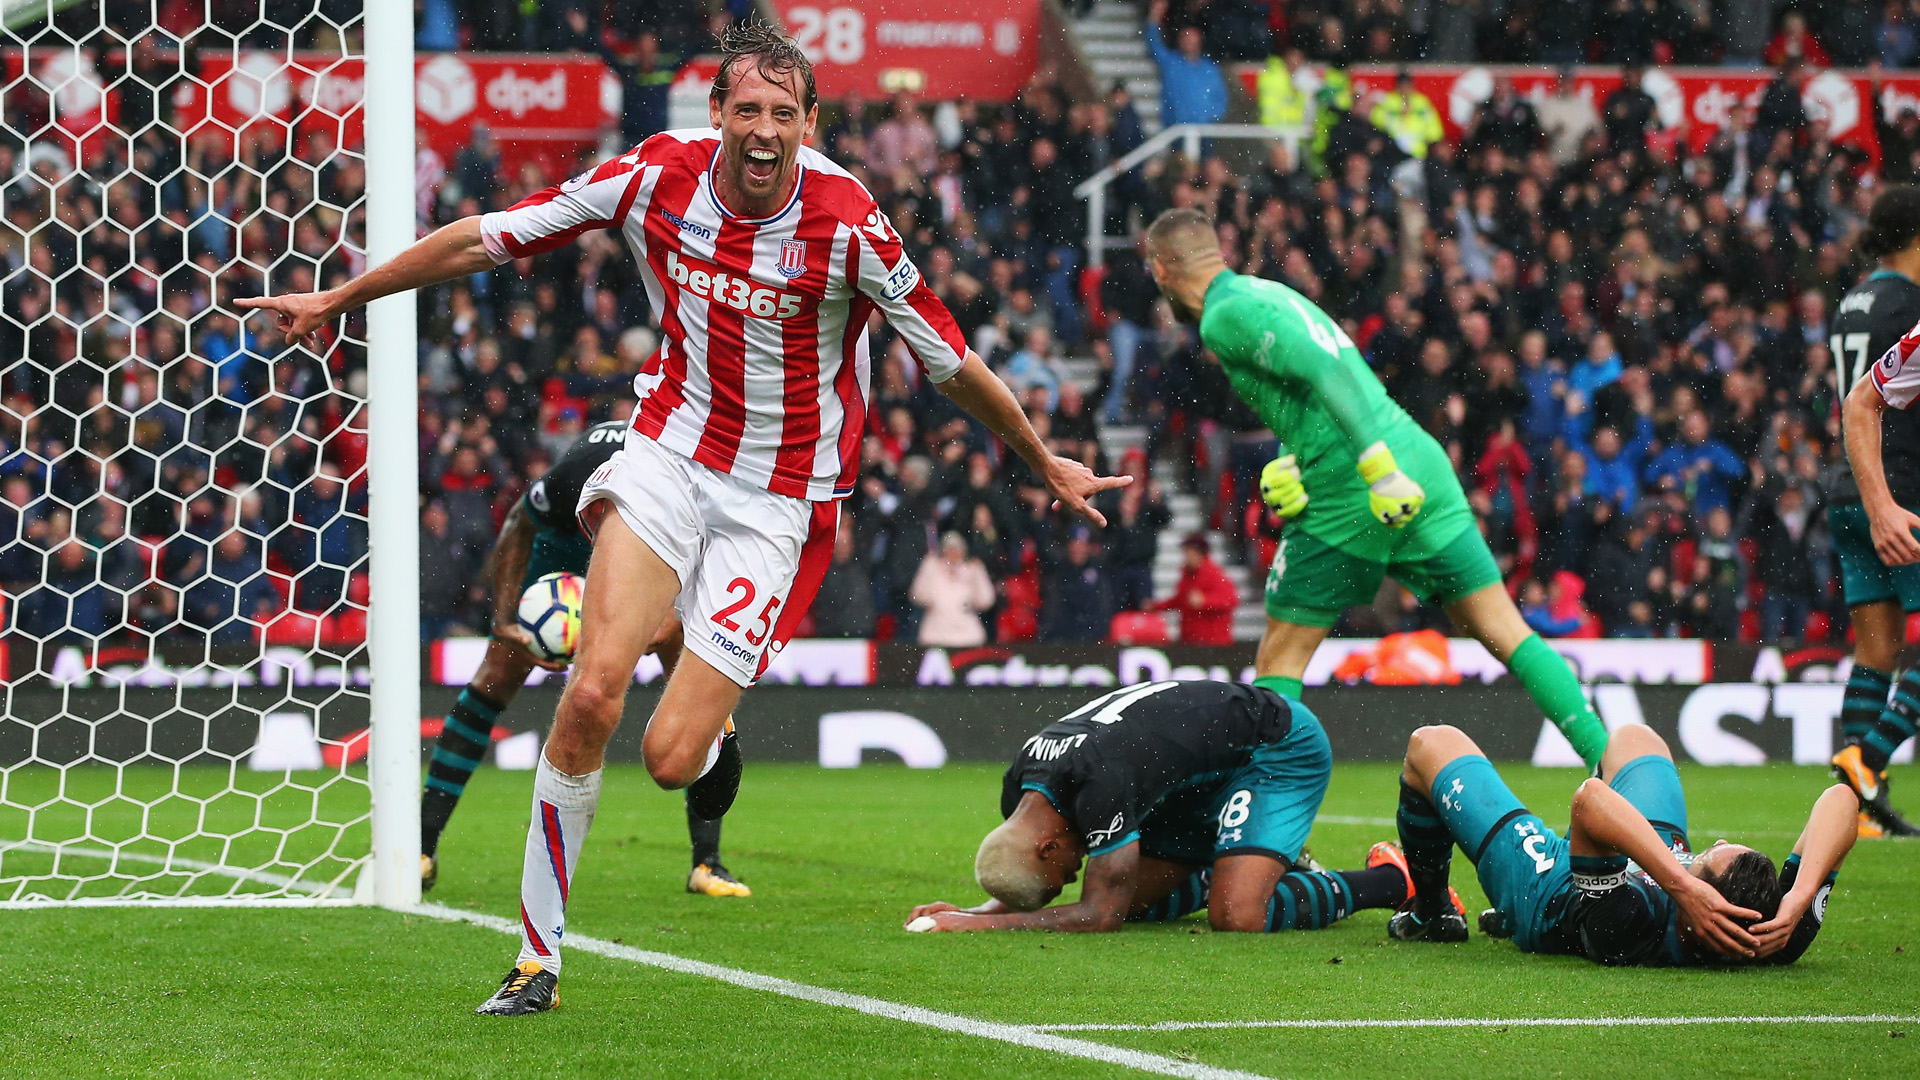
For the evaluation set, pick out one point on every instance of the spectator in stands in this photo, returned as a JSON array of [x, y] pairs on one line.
[[1192, 88], [952, 590], [1780, 514], [903, 150], [1505, 120], [646, 74], [1556, 610], [1284, 103], [1628, 111], [1613, 465], [1035, 365], [1567, 116], [1136, 515], [1408, 117], [1128, 294], [844, 606], [1699, 468], [450, 566], [1076, 593], [1204, 596]]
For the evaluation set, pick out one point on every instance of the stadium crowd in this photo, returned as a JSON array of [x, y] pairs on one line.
[[1622, 346]]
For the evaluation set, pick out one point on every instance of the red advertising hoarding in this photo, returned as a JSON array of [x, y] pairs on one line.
[[1694, 102], [983, 49], [536, 106]]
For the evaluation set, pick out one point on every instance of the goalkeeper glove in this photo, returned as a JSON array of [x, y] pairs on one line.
[[1391, 494], [1281, 488]]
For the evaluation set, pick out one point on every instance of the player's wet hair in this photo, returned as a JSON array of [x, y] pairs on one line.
[[772, 53], [1179, 232], [1894, 222], [1749, 881]]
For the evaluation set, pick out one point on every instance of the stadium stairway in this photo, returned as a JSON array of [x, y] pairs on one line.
[[1110, 38]]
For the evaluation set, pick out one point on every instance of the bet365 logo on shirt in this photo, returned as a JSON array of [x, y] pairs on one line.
[[705, 280]]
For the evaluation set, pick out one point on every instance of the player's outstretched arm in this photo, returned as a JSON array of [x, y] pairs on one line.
[[453, 251], [1605, 823], [981, 393], [506, 566], [1105, 899], [1823, 845], [1892, 524]]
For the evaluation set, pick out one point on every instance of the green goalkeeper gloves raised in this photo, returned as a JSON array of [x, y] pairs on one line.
[[1281, 489], [1391, 494]]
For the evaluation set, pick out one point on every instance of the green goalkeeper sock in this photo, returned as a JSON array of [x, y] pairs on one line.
[[1282, 685], [1554, 689]]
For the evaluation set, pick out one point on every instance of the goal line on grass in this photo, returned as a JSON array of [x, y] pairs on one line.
[[1015, 1034], [1448, 1022]]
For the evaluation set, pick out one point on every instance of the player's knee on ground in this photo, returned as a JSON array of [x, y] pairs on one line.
[[1632, 741]]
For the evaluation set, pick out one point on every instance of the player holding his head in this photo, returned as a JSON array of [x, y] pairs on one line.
[[542, 536], [1623, 886], [1366, 492], [1178, 796], [763, 261], [1872, 532]]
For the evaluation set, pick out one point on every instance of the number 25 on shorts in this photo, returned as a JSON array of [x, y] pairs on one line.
[[725, 616]]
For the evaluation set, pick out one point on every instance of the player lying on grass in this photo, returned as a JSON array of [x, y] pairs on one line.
[[1624, 886], [1366, 492], [542, 536], [1178, 795]]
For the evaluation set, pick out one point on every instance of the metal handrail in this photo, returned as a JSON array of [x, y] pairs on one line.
[[1094, 188]]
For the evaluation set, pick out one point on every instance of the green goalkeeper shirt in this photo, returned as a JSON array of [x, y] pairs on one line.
[[1305, 378]]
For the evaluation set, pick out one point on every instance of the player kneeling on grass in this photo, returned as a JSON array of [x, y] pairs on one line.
[[1178, 795], [542, 536], [1623, 886]]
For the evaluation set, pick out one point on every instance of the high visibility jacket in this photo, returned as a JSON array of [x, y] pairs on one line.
[[1410, 120], [1282, 105]]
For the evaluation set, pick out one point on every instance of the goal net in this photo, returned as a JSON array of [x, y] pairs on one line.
[[184, 525]]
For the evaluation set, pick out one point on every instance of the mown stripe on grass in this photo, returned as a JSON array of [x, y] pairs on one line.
[[1017, 1035], [1452, 1022]]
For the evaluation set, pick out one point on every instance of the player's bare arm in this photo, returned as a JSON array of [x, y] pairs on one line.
[[506, 565], [1892, 524], [1829, 835], [450, 252], [1605, 823], [982, 394], [1104, 902]]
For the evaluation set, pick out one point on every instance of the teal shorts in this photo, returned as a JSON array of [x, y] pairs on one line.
[[1865, 578], [1525, 867], [556, 554], [1266, 808], [1312, 581]]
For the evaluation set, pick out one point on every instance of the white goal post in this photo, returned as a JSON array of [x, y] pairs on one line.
[[209, 629]]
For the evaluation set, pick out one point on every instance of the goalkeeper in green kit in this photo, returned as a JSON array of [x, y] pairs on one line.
[[1365, 491]]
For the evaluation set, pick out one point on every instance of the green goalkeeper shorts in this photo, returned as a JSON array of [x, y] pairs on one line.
[[1312, 581]]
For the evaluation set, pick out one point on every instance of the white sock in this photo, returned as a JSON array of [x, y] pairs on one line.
[[713, 755], [563, 809]]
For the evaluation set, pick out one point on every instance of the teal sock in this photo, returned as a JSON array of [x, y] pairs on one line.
[[1550, 682], [1867, 690], [1312, 900], [1283, 685], [1895, 725], [465, 735], [1186, 898], [1428, 845]]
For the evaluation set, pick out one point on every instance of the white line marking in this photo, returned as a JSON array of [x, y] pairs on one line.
[[317, 894], [1015, 1034], [1342, 819], [1555, 1021]]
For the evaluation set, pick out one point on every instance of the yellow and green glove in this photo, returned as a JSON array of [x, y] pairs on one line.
[[1391, 494], [1281, 489]]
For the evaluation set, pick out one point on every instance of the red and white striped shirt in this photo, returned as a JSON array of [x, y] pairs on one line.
[[763, 369], [1897, 373]]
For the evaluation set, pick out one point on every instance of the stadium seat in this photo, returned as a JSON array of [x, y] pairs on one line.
[[1139, 628]]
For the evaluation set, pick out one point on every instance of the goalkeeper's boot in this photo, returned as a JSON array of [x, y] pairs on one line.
[[711, 796], [429, 872], [712, 879], [528, 988], [1870, 785], [1389, 854]]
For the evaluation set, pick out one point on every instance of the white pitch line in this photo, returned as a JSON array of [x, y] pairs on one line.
[[1342, 819], [1551, 1021], [1015, 1034]]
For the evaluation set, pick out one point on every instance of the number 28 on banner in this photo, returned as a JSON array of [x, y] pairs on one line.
[[837, 35]]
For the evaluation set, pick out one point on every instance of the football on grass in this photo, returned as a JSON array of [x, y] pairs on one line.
[[550, 612]]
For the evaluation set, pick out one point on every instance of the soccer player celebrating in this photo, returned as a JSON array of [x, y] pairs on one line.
[[1366, 492], [542, 536], [1871, 532], [1624, 886], [1178, 795], [763, 261]]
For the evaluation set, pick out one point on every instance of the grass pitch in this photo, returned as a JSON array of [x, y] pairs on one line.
[[836, 860]]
